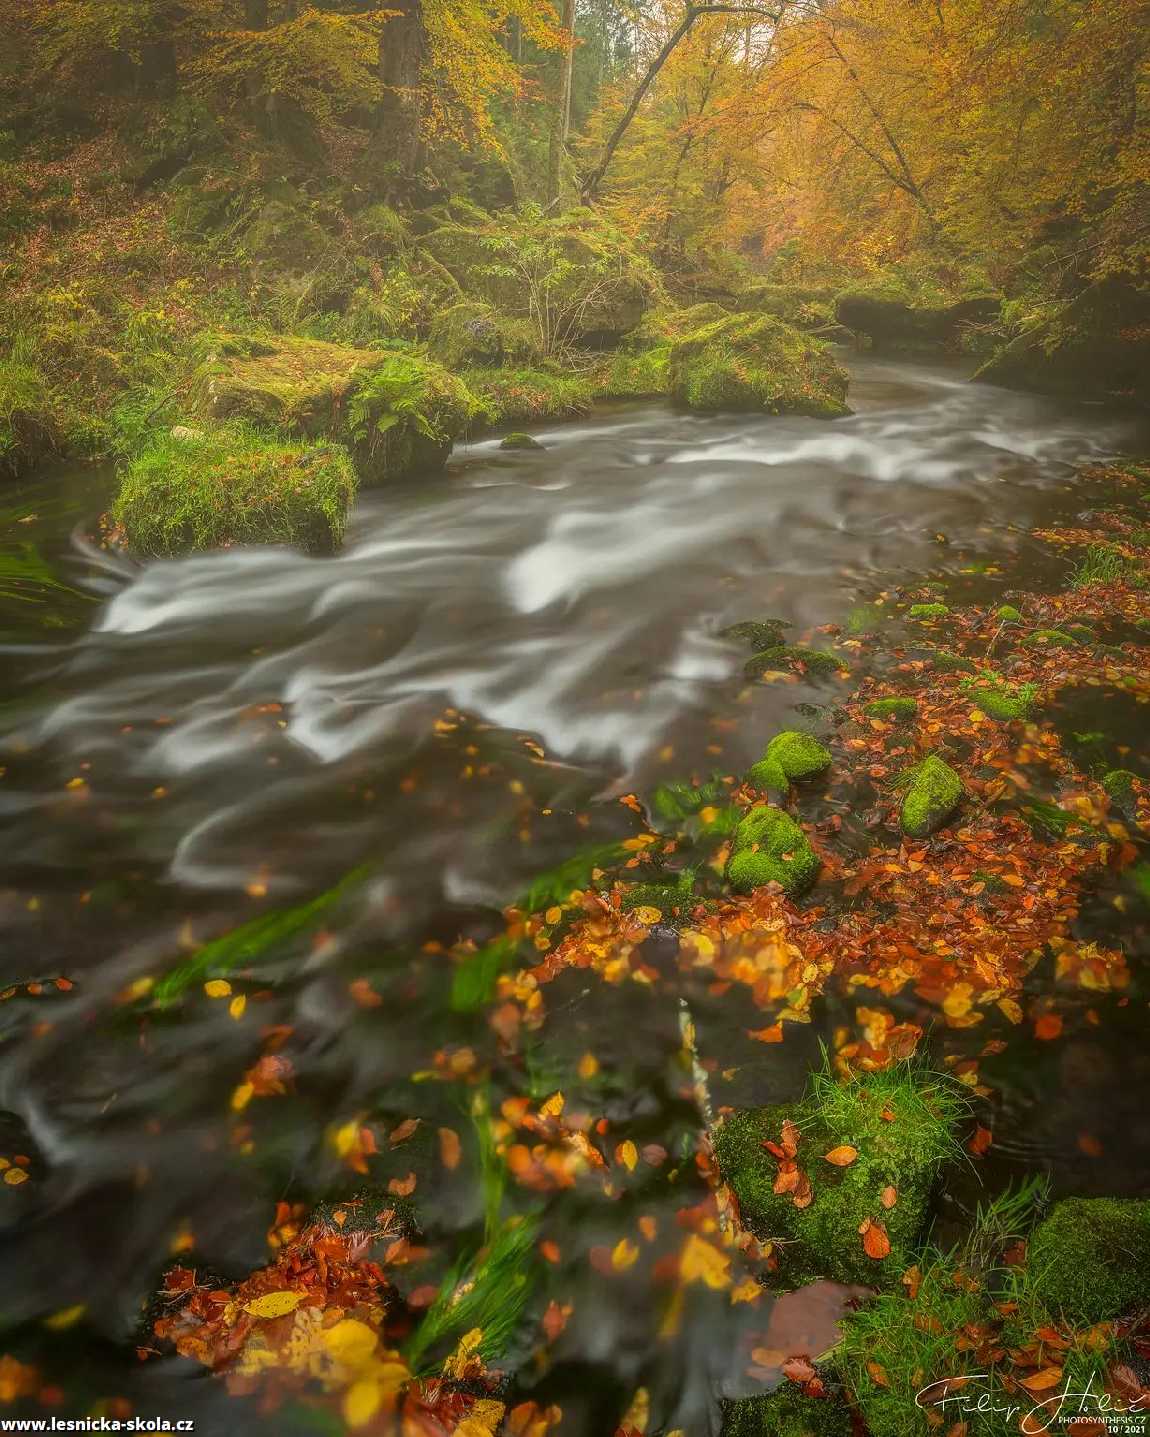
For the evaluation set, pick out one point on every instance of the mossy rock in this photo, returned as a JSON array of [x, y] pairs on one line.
[[1119, 785], [770, 847], [397, 413], [27, 430], [1005, 704], [953, 664], [510, 396], [791, 755], [899, 1122], [786, 1412], [473, 333], [285, 236], [758, 364], [1051, 639], [518, 440], [669, 899], [758, 634], [635, 373], [1008, 614], [933, 794], [231, 485], [928, 611], [817, 662], [804, 306], [894, 710], [1089, 1261]]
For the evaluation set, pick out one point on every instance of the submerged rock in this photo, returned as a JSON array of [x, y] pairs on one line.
[[518, 440], [817, 662], [759, 364], [770, 847], [932, 796], [397, 413], [1090, 1259]]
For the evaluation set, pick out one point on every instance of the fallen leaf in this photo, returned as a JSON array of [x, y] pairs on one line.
[[877, 1374], [843, 1156], [1041, 1381], [798, 1369], [273, 1304], [889, 1196], [449, 1148], [876, 1244]]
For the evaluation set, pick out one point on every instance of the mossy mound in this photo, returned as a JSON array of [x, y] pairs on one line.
[[896, 710], [791, 755], [1089, 1261], [668, 899], [770, 847], [928, 611], [758, 364], [473, 333], [758, 634], [397, 413], [518, 440], [817, 662], [932, 795], [1008, 614], [517, 396], [786, 1412], [1051, 639], [898, 1124], [805, 307], [635, 373], [231, 485], [27, 431], [953, 664], [1005, 704]]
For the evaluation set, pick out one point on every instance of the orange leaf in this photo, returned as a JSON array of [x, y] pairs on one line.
[[1048, 1027], [889, 1196], [788, 1178], [843, 1156], [790, 1138], [877, 1374], [1048, 1377], [403, 1132], [449, 1148], [982, 1139], [798, 1369], [876, 1244]]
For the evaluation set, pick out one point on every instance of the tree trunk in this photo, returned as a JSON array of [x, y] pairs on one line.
[[561, 119], [402, 50]]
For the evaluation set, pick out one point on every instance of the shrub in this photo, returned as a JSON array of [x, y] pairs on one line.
[[234, 485]]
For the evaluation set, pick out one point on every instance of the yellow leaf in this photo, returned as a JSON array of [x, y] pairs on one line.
[[350, 1342], [700, 1261], [15, 1176], [236, 1007], [553, 1107], [273, 1304], [843, 1156], [1010, 1009], [242, 1097], [624, 1254], [633, 845], [646, 915], [628, 1154], [217, 988], [553, 915], [345, 1138], [588, 1066], [482, 1421], [65, 1318], [747, 1291], [958, 1001], [361, 1402]]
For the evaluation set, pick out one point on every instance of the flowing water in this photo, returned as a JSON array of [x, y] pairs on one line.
[[453, 704]]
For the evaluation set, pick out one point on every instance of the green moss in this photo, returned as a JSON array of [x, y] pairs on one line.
[[799, 755], [928, 611], [1089, 1260], [903, 1151], [635, 373], [1008, 614], [676, 801], [786, 1412], [518, 440], [231, 485], [510, 396], [473, 333], [770, 847], [756, 363], [758, 634], [1004, 703], [953, 664], [1119, 784], [817, 662], [27, 431], [398, 413], [932, 796], [769, 776], [668, 898], [895, 710], [1051, 638]]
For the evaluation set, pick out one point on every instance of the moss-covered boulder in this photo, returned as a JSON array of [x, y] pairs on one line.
[[27, 431], [231, 485], [1089, 1261], [865, 1157], [518, 440], [804, 306], [790, 756], [575, 276], [894, 710], [1119, 786], [1008, 614], [933, 793], [787, 1412], [893, 324], [758, 364], [1003, 702], [928, 611], [770, 847], [397, 413], [816, 663], [635, 373], [1097, 346], [474, 333]]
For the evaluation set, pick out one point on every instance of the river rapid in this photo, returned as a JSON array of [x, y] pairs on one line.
[[455, 702]]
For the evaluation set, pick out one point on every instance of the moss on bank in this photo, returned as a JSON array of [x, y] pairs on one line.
[[232, 485], [1089, 1260], [398, 413], [894, 1129], [27, 431], [756, 363], [518, 396]]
